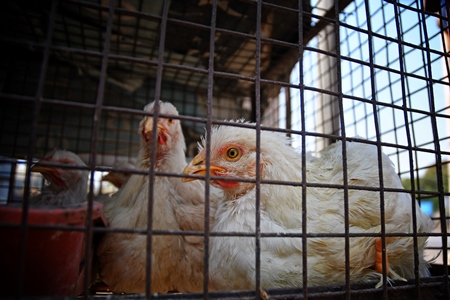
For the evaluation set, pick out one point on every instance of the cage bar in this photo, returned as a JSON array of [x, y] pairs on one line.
[[76, 75]]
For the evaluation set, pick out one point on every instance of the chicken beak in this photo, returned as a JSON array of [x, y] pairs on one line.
[[41, 169], [147, 130], [51, 172], [197, 166]]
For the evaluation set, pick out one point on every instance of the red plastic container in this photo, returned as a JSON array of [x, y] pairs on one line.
[[54, 259]]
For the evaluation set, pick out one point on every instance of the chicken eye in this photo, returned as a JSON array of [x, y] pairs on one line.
[[233, 154], [66, 161], [170, 121]]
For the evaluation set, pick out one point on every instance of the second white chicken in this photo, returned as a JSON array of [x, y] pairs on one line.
[[176, 260]]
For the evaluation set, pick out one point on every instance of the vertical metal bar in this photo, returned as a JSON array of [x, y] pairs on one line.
[[391, 91], [303, 145], [340, 104], [379, 152], [411, 160], [31, 148], [162, 40], [94, 138], [208, 148], [12, 181], [412, 142], [136, 33], [258, 150], [159, 74], [328, 104], [439, 171], [287, 100]]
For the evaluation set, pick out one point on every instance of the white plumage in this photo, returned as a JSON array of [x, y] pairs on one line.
[[64, 186], [177, 261], [232, 259]]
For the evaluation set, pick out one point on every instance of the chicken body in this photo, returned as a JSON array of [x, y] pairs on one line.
[[232, 259], [177, 261], [65, 186]]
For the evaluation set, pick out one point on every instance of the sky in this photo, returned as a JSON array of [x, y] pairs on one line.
[[418, 64]]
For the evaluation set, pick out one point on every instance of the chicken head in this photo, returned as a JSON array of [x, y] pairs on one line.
[[62, 178], [167, 131], [231, 158]]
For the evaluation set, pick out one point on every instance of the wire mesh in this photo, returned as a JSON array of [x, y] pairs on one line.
[[76, 75]]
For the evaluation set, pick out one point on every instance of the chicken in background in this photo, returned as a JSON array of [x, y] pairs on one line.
[[232, 259], [176, 260], [116, 178], [64, 186]]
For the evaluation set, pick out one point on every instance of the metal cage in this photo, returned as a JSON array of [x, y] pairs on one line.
[[76, 74]]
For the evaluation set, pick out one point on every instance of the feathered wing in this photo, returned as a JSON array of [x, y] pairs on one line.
[[364, 205], [177, 261]]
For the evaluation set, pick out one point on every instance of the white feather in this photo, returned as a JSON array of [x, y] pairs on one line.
[[232, 259], [176, 260]]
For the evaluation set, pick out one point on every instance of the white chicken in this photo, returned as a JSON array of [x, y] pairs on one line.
[[176, 260], [232, 259], [64, 186]]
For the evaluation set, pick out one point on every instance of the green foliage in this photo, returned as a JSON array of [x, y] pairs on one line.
[[429, 183]]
